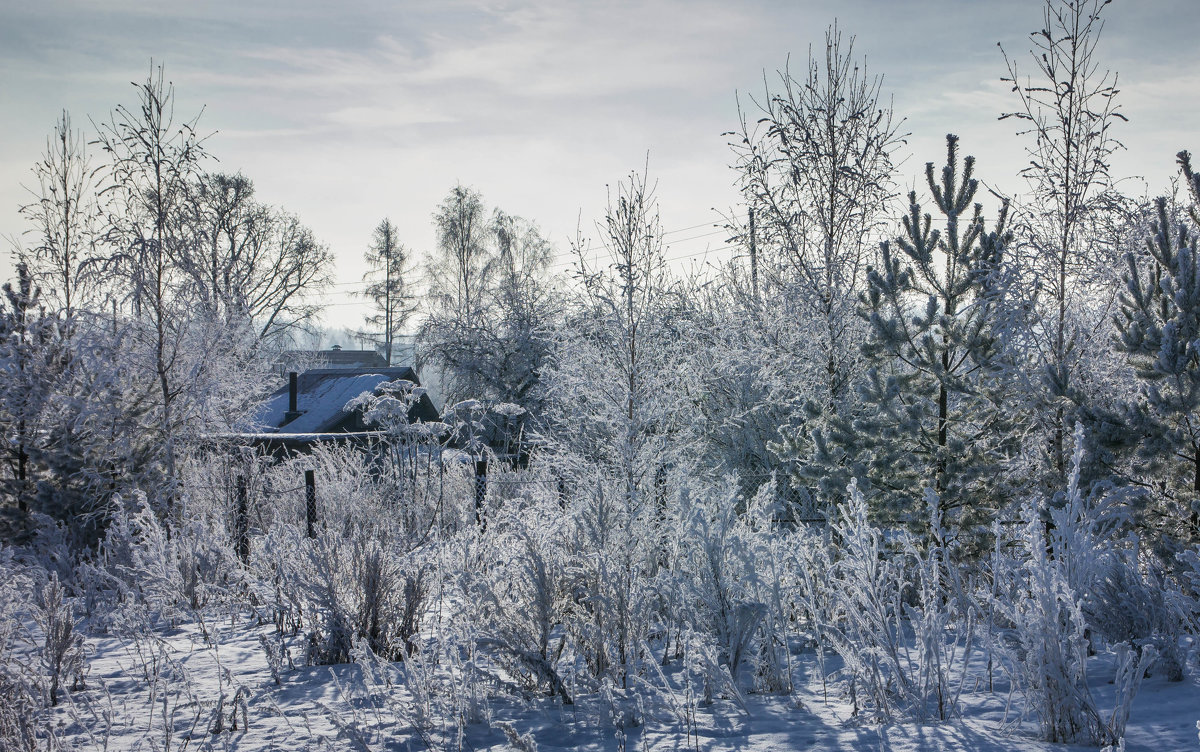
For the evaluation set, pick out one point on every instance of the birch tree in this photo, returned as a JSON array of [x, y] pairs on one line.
[[1067, 109], [152, 159], [63, 259], [816, 174]]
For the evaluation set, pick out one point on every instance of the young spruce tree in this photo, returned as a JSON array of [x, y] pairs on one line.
[[31, 355], [390, 300], [929, 415], [1159, 330]]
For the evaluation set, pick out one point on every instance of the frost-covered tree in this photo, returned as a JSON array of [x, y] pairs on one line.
[[64, 216], [816, 174], [250, 263], [610, 426], [386, 289], [176, 384], [611, 371], [931, 414], [1067, 110], [152, 159], [492, 307], [525, 312], [458, 276], [748, 366], [1159, 330], [31, 359]]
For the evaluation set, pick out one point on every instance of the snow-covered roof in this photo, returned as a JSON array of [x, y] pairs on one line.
[[342, 358], [321, 395]]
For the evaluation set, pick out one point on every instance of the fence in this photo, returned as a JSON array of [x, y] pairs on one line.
[[310, 490]]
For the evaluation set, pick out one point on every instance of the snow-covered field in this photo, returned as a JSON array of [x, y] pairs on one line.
[[711, 627], [221, 695]]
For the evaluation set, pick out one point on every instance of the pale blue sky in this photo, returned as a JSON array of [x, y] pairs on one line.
[[346, 114]]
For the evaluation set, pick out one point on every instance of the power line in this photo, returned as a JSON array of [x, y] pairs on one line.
[[685, 229], [564, 260], [568, 259]]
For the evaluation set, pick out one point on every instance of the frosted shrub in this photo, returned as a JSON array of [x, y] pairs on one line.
[[707, 671], [409, 458], [449, 680], [173, 575], [278, 577], [61, 643], [863, 624], [469, 685], [34, 662], [1125, 597], [362, 587], [942, 621], [367, 572], [519, 598], [867, 628], [721, 549], [362, 489], [1044, 648], [392, 711], [279, 658], [609, 581], [138, 553], [875, 618], [1189, 561], [1142, 608], [210, 480], [19, 710], [1043, 641], [777, 579], [210, 572], [519, 742]]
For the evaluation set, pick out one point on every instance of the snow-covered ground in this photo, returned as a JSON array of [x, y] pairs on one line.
[[173, 690]]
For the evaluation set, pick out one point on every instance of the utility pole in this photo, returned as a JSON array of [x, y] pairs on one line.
[[753, 257]]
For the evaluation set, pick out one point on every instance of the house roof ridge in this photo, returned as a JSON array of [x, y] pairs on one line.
[[358, 370]]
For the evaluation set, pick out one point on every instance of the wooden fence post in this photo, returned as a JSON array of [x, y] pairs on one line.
[[310, 502], [242, 522], [481, 469]]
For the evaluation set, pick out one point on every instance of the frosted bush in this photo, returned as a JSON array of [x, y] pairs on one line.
[[278, 576], [361, 587], [174, 574], [368, 571], [942, 618], [1141, 608], [613, 541], [1044, 647], [721, 548], [519, 599], [207, 561], [136, 550], [19, 711], [34, 662], [1040, 608], [707, 670], [777, 581], [61, 644], [905, 637]]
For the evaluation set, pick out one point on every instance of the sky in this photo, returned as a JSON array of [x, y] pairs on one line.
[[346, 113]]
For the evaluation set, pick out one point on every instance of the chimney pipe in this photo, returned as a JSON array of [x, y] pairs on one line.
[[293, 410]]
